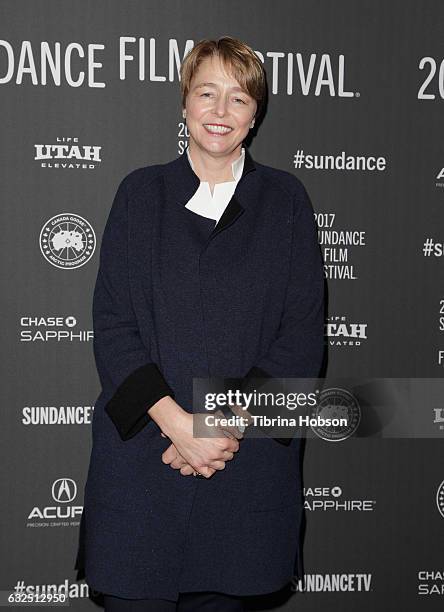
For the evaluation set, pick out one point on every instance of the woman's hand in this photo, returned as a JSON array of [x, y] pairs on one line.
[[175, 460], [203, 454], [172, 456]]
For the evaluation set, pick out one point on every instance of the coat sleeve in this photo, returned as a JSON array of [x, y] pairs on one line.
[[122, 359], [298, 349]]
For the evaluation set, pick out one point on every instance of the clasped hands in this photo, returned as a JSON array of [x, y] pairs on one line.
[[191, 454]]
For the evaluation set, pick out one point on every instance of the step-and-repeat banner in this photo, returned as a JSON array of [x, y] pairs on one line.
[[90, 91]]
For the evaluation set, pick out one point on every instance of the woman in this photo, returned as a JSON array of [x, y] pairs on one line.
[[209, 267]]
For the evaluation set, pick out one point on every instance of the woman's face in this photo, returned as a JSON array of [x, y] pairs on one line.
[[216, 99]]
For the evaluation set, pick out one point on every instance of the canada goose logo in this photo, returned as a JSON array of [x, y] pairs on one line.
[[64, 490], [337, 403], [67, 241], [440, 498]]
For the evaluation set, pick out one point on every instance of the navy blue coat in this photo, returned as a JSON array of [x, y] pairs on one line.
[[177, 298]]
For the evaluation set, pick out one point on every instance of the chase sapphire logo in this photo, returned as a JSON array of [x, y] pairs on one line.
[[67, 241]]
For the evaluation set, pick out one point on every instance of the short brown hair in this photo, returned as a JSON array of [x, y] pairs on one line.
[[236, 56]]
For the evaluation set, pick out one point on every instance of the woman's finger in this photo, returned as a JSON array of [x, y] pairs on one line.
[[178, 463], [169, 455], [205, 471], [217, 465], [186, 470]]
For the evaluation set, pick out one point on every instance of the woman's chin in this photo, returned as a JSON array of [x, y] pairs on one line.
[[216, 145]]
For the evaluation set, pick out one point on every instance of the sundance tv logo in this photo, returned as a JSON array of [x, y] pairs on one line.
[[57, 415], [329, 583], [67, 241], [62, 513]]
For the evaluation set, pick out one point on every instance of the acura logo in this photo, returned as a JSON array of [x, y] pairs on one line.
[[64, 490]]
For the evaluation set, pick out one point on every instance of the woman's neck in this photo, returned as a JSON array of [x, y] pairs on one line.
[[213, 169]]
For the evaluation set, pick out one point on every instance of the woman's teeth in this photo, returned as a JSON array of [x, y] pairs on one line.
[[217, 129]]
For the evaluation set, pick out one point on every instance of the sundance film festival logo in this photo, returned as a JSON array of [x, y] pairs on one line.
[[337, 246], [67, 153], [336, 403], [333, 499], [157, 59], [61, 513], [338, 332], [57, 329], [67, 241]]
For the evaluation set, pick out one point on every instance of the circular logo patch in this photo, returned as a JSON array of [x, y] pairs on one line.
[[67, 241], [337, 403], [440, 499]]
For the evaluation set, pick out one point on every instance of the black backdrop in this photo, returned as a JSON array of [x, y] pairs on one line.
[[360, 81]]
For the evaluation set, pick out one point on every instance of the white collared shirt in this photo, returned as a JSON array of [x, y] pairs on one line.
[[213, 205]]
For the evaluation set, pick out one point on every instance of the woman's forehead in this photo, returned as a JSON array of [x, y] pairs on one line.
[[210, 73]]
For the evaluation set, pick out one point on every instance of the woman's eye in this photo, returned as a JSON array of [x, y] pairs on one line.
[[207, 93], [240, 100]]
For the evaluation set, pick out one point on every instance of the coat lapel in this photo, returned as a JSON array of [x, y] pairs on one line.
[[182, 183]]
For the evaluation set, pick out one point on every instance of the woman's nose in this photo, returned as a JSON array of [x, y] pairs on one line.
[[220, 107]]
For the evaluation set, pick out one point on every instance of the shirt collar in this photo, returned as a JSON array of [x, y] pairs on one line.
[[236, 167], [182, 182]]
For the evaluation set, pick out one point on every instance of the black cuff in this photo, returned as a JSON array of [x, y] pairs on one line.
[[250, 382], [139, 391]]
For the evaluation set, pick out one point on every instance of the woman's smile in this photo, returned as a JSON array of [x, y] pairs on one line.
[[217, 129]]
